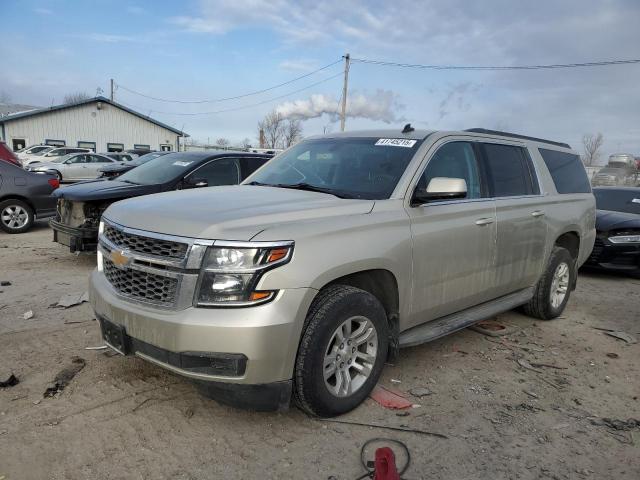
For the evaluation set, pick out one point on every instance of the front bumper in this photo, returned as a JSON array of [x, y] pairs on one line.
[[78, 239], [615, 256], [266, 336]]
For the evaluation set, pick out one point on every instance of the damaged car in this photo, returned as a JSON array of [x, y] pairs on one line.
[[80, 206], [617, 245]]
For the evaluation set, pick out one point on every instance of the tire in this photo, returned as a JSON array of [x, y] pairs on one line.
[[58, 175], [331, 310], [542, 304], [16, 216]]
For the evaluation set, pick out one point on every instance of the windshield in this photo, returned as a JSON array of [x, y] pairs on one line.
[[367, 168], [160, 169], [61, 159], [627, 201], [43, 151]]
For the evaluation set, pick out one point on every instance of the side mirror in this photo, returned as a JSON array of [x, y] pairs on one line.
[[441, 188], [195, 182]]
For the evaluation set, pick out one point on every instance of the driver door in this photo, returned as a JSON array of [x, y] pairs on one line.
[[454, 241], [75, 168]]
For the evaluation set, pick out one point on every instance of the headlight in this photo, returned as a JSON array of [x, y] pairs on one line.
[[625, 239], [230, 274]]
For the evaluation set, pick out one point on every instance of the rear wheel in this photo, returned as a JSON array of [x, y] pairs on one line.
[[58, 175], [554, 287], [16, 216], [342, 351]]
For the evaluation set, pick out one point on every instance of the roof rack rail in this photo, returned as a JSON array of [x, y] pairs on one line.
[[515, 135]]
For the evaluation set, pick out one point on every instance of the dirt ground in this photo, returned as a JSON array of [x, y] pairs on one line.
[[121, 418]]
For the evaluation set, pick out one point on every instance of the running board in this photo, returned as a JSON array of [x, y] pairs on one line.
[[440, 327]]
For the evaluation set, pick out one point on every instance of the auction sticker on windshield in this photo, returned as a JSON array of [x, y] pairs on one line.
[[396, 142]]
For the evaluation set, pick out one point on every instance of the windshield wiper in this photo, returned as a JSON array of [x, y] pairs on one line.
[[314, 188], [129, 181], [260, 184]]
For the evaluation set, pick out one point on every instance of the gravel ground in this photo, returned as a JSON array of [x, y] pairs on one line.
[[121, 418]]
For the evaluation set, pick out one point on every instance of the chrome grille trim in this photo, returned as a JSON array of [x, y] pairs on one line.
[[150, 246]]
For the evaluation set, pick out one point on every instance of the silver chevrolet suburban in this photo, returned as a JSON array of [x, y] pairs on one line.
[[305, 279]]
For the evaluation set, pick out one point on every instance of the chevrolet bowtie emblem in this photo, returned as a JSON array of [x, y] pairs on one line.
[[119, 258]]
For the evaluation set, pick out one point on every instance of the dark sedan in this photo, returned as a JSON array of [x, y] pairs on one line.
[[24, 196], [113, 171], [617, 245], [80, 206]]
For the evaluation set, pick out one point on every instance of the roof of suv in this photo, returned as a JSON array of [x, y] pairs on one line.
[[417, 134]]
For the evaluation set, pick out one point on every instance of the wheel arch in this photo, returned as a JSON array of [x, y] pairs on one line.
[[19, 197]]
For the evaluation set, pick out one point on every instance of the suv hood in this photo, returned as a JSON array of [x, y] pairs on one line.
[[608, 220], [104, 190], [237, 212]]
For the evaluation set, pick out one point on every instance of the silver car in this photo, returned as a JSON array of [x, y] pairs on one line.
[[306, 278], [75, 166]]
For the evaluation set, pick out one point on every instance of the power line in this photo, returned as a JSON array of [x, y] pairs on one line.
[[216, 100], [493, 67], [244, 106]]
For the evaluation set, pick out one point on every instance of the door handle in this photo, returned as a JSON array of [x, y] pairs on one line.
[[537, 213], [484, 221]]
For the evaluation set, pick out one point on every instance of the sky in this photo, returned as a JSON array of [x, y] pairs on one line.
[[198, 50]]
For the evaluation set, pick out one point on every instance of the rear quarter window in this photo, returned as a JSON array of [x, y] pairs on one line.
[[569, 176]]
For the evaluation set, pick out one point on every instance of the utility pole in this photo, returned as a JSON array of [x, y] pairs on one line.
[[112, 90], [345, 88]]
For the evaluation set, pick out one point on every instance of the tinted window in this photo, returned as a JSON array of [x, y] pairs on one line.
[[454, 160], [353, 167], [219, 172], [566, 170], [78, 159], [627, 201], [250, 165], [508, 171]]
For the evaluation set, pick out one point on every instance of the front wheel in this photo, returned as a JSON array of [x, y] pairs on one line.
[[554, 287], [58, 175], [15, 216], [342, 351]]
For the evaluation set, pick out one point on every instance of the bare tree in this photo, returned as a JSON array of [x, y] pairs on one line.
[[246, 143], [76, 97], [592, 144], [273, 127], [292, 132], [222, 142]]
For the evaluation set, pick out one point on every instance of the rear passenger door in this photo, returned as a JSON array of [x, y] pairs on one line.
[[520, 213]]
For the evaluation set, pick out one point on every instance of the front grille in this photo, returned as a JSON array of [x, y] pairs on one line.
[[141, 285], [145, 245], [598, 246]]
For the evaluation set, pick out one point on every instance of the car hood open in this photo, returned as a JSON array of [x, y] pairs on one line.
[[237, 212], [104, 190], [608, 220]]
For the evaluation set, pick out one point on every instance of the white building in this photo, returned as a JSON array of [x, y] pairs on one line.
[[96, 123]]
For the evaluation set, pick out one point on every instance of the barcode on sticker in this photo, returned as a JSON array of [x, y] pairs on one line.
[[396, 142]]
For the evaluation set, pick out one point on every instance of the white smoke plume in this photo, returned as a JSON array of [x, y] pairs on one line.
[[380, 106]]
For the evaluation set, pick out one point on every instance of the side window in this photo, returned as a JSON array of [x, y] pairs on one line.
[[218, 172], [509, 171], [454, 160], [78, 159], [567, 171], [250, 165]]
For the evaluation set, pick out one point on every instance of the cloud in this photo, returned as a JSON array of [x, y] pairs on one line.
[[299, 65], [381, 106], [42, 11]]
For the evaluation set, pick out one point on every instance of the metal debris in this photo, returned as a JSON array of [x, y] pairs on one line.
[[73, 299]]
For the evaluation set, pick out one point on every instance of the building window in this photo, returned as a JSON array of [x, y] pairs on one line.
[[138, 146], [55, 143], [165, 147], [90, 145], [115, 147], [18, 144]]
